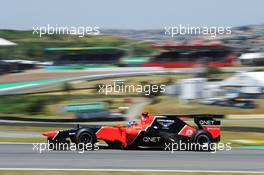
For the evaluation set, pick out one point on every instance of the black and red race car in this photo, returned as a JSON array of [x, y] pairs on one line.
[[150, 131]]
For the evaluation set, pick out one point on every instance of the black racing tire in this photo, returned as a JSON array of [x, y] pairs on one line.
[[85, 136], [203, 139]]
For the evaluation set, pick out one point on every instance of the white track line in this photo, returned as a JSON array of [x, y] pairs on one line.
[[128, 170], [17, 87], [16, 143]]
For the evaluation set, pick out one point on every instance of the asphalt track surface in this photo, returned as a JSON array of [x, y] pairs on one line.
[[22, 156]]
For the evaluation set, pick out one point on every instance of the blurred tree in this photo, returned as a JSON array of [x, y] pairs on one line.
[[36, 107], [67, 87], [212, 72]]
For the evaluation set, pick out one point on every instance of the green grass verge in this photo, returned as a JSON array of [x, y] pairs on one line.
[[30, 128], [227, 136], [253, 147], [257, 123]]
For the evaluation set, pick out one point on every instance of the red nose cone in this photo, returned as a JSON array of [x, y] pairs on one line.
[[50, 133]]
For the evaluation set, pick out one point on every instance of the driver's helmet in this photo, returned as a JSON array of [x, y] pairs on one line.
[[145, 114], [144, 117], [131, 123]]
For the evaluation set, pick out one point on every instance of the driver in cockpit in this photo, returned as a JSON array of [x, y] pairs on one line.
[[145, 119]]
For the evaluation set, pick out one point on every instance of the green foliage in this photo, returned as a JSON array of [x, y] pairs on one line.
[[31, 47], [142, 49], [36, 107], [212, 72], [67, 87], [31, 105], [169, 81]]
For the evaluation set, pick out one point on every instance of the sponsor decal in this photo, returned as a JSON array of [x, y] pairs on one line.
[[189, 132], [151, 139], [165, 123], [206, 122]]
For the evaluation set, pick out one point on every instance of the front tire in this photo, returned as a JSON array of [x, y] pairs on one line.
[[85, 136]]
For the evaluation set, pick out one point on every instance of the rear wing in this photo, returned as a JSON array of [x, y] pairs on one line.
[[206, 121]]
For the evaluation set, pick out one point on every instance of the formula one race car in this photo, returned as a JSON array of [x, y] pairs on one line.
[[151, 131]]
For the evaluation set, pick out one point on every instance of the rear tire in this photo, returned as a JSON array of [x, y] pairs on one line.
[[203, 141]]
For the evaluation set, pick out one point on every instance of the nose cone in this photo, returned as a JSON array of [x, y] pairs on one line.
[[50, 133]]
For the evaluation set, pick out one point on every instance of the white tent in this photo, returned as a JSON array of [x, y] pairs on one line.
[[249, 56], [245, 79], [6, 43], [252, 58]]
